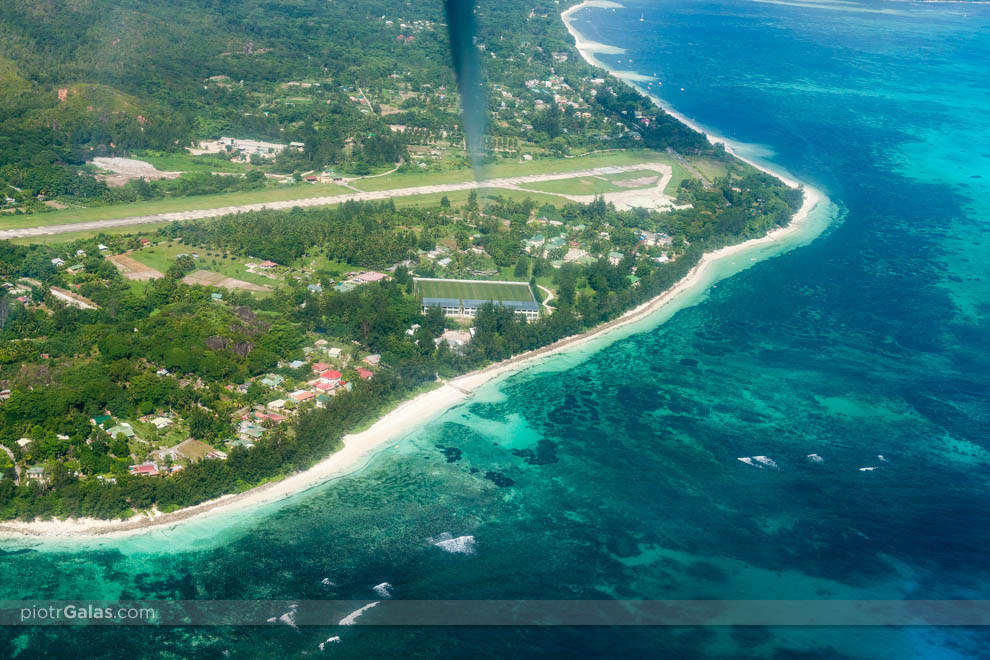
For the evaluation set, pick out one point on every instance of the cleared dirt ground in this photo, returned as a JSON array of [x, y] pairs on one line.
[[123, 170], [133, 269], [209, 278]]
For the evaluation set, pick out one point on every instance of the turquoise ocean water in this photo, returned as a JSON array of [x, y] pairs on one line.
[[612, 472]]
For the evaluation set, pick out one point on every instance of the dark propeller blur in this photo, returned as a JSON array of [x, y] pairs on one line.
[[463, 31]]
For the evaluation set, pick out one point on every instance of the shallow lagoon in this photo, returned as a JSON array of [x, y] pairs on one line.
[[871, 341]]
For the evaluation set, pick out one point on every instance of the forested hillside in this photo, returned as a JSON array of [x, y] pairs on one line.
[[108, 77]]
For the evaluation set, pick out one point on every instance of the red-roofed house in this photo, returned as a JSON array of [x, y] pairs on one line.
[[365, 374], [302, 395], [325, 387], [145, 470], [320, 366], [330, 374], [369, 276], [267, 264]]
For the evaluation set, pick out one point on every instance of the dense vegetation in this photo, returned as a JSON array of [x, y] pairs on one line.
[[96, 77], [111, 77], [65, 365]]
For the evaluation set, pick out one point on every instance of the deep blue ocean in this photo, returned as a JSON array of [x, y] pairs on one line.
[[613, 472]]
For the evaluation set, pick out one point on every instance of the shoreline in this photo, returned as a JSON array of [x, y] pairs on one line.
[[415, 413], [588, 49]]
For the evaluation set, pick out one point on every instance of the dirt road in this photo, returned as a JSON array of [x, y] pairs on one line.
[[17, 469]]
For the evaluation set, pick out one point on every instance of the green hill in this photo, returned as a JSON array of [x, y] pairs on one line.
[[111, 77]]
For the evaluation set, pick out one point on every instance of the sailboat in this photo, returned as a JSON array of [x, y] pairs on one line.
[[642, 19]]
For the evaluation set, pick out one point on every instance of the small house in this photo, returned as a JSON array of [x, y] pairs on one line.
[[368, 276], [247, 430], [373, 360], [454, 338], [331, 375], [145, 470], [272, 380], [123, 427]]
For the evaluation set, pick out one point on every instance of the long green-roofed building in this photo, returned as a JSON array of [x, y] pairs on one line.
[[464, 297]]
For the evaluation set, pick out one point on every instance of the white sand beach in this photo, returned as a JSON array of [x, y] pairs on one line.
[[419, 411], [589, 49]]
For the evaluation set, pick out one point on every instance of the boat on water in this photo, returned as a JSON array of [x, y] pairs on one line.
[[642, 18]]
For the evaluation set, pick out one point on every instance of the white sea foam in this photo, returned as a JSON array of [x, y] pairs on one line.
[[353, 616], [384, 589], [882, 459], [327, 582], [332, 640], [759, 461], [867, 469], [289, 618], [815, 458], [462, 545]]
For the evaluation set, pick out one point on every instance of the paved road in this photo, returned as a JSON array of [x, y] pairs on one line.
[[509, 182]]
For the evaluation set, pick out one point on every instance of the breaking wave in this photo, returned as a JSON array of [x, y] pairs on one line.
[[759, 462], [461, 545]]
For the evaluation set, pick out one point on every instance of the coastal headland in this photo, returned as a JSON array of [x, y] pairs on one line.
[[419, 411]]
